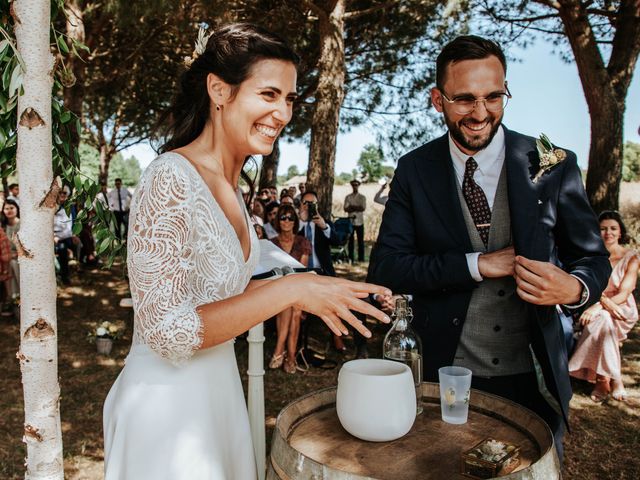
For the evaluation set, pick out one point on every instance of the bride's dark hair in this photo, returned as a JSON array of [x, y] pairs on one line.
[[231, 52]]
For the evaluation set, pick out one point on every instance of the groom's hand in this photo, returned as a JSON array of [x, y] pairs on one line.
[[542, 283], [497, 264]]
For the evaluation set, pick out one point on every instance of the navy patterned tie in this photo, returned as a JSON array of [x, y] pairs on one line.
[[476, 201]]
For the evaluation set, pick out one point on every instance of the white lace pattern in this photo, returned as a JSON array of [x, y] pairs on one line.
[[182, 253]]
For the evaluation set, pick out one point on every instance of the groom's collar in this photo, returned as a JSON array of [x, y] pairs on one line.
[[485, 158]]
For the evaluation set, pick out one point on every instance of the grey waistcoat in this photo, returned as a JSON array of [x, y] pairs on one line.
[[495, 337]]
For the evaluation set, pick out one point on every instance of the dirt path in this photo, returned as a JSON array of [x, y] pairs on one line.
[[603, 443]]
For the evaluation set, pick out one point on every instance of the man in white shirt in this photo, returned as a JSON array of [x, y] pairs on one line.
[[322, 235], [355, 204], [14, 193], [63, 237], [487, 249], [119, 200]]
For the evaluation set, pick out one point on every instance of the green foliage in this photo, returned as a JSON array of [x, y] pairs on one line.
[[127, 169], [631, 162], [64, 124], [131, 80], [292, 171], [390, 60], [343, 178], [388, 171], [370, 162]]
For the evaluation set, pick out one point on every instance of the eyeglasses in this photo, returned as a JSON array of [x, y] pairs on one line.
[[463, 105], [287, 218], [309, 202]]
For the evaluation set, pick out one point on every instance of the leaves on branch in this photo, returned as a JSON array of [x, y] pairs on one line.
[[66, 161]]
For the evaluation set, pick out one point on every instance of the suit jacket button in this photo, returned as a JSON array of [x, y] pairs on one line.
[[501, 293], [497, 328], [456, 321], [495, 361]]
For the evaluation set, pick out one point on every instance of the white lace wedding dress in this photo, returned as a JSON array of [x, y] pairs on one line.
[[176, 412]]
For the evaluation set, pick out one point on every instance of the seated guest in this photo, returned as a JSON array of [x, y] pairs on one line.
[[270, 212], [263, 196], [273, 193], [260, 233], [606, 323], [288, 322], [5, 264], [63, 237], [11, 225], [88, 249], [322, 235], [257, 212], [287, 200]]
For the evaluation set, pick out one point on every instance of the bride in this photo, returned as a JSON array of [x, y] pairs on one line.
[[177, 410]]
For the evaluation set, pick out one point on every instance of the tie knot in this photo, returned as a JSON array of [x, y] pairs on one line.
[[470, 167]]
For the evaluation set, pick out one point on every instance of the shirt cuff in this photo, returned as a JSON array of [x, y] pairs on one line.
[[586, 297], [472, 264], [327, 231]]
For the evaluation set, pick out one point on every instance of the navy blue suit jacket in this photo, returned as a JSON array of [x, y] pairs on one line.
[[423, 240]]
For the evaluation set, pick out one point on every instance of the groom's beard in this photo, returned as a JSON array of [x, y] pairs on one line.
[[468, 140]]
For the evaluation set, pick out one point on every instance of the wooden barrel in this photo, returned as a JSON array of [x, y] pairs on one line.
[[309, 443]]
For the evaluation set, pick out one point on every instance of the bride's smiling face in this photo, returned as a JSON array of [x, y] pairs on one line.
[[261, 106]]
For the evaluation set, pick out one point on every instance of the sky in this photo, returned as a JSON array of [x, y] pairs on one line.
[[547, 98]]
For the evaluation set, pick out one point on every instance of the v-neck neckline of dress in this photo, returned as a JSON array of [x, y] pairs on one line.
[[228, 222]]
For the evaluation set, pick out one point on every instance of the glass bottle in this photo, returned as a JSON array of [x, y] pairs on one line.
[[401, 344]]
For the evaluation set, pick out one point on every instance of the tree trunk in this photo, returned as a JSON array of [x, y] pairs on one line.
[[106, 154], [329, 97], [605, 88], [74, 93], [269, 168], [605, 156], [38, 353]]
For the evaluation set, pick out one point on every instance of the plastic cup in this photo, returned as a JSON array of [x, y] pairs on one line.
[[455, 388]]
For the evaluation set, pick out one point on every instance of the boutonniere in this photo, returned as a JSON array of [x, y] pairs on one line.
[[549, 156]]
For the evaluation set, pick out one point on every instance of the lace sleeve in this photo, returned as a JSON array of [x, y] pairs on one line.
[[160, 259]]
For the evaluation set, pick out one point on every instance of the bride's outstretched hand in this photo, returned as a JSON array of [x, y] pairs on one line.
[[332, 299]]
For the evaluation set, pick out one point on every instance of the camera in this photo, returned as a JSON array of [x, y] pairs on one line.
[[312, 210]]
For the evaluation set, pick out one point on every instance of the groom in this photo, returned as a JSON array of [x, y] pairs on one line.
[[486, 252]]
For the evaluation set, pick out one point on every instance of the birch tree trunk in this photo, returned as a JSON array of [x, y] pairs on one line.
[[38, 352]]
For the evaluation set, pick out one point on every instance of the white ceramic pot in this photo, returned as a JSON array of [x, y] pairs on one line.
[[376, 399], [104, 345]]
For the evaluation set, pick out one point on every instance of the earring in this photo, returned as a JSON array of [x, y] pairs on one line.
[[217, 107]]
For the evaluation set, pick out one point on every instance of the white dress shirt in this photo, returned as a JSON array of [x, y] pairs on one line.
[[62, 224], [125, 199], [327, 233], [487, 175]]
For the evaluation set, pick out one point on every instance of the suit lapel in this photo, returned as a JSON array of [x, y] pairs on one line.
[[438, 181], [520, 158]]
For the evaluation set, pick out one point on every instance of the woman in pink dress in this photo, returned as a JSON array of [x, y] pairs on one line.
[[607, 322]]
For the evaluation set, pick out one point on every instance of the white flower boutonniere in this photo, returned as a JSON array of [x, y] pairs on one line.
[[549, 156]]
